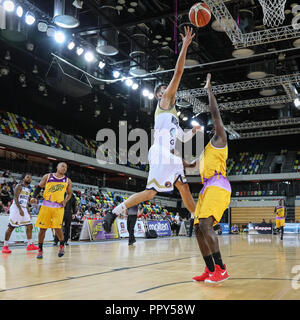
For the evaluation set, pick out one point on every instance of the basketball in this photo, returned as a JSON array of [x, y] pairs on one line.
[[200, 14]]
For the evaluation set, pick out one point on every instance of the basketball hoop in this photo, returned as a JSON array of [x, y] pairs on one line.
[[273, 12]]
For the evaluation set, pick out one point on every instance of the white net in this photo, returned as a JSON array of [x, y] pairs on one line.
[[273, 12]]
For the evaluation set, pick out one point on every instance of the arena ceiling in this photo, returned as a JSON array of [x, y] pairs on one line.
[[136, 38]]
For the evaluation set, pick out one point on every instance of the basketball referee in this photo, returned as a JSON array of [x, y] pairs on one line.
[[131, 220]]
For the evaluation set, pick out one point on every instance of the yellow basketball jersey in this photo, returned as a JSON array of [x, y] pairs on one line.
[[212, 161], [279, 211], [55, 188]]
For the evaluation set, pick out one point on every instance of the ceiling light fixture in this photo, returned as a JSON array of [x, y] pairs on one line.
[[89, 56], [42, 26], [129, 82], [19, 11], [116, 74], [151, 96], [101, 64], [135, 86], [29, 18], [59, 37], [35, 69], [9, 5], [51, 31], [7, 56], [71, 45], [79, 51], [146, 92]]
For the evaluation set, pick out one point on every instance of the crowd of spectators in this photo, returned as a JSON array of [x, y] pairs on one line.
[[91, 204], [7, 186]]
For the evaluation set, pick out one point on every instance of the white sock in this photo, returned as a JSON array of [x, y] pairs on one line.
[[119, 209], [29, 241], [5, 243]]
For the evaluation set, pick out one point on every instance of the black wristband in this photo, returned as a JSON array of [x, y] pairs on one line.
[[37, 191]]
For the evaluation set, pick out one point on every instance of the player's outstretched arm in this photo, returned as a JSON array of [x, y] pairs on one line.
[[220, 137], [169, 96], [186, 136]]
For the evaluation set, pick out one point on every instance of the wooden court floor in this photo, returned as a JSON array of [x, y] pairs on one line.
[[260, 267]]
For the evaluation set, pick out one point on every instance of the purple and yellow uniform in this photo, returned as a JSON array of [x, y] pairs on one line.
[[280, 217], [51, 213], [214, 198]]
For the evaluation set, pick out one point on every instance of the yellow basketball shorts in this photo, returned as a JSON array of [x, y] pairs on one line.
[[50, 217], [213, 202], [280, 222]]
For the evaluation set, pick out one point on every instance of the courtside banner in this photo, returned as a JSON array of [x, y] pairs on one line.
[[225, 228], [139, 229], [292, 228], [162, 228], [122, 228], [19, 234], [260, 228], [98, 233]]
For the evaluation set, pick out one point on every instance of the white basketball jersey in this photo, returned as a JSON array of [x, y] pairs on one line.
[[24, 196], [166, 126]]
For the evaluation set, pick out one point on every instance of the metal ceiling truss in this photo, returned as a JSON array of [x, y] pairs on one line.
[[244, 85], [225, 19], [232, 133], [268, 36], [290, 91], [240, 40], [269, 133], [245, 104], [265, 124]]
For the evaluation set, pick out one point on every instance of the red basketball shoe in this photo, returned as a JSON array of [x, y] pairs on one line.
[[203, 276], [31, 247], [5, 249], [219, 275]]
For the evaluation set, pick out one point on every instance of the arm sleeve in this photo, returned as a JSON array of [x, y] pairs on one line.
[[184, 136], [37, 191]]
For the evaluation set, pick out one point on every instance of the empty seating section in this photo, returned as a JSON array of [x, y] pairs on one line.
[[253, 214], [23, 128], [297, 214], [91, 144], [245, 163]]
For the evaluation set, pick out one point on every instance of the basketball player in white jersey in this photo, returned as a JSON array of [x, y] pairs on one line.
[[19, 213], [166, 169]]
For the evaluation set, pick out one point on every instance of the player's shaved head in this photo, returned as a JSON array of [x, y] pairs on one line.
[[62, 168], [62, 163]]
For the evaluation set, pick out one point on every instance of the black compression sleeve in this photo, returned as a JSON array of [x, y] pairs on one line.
[[37, 191]]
